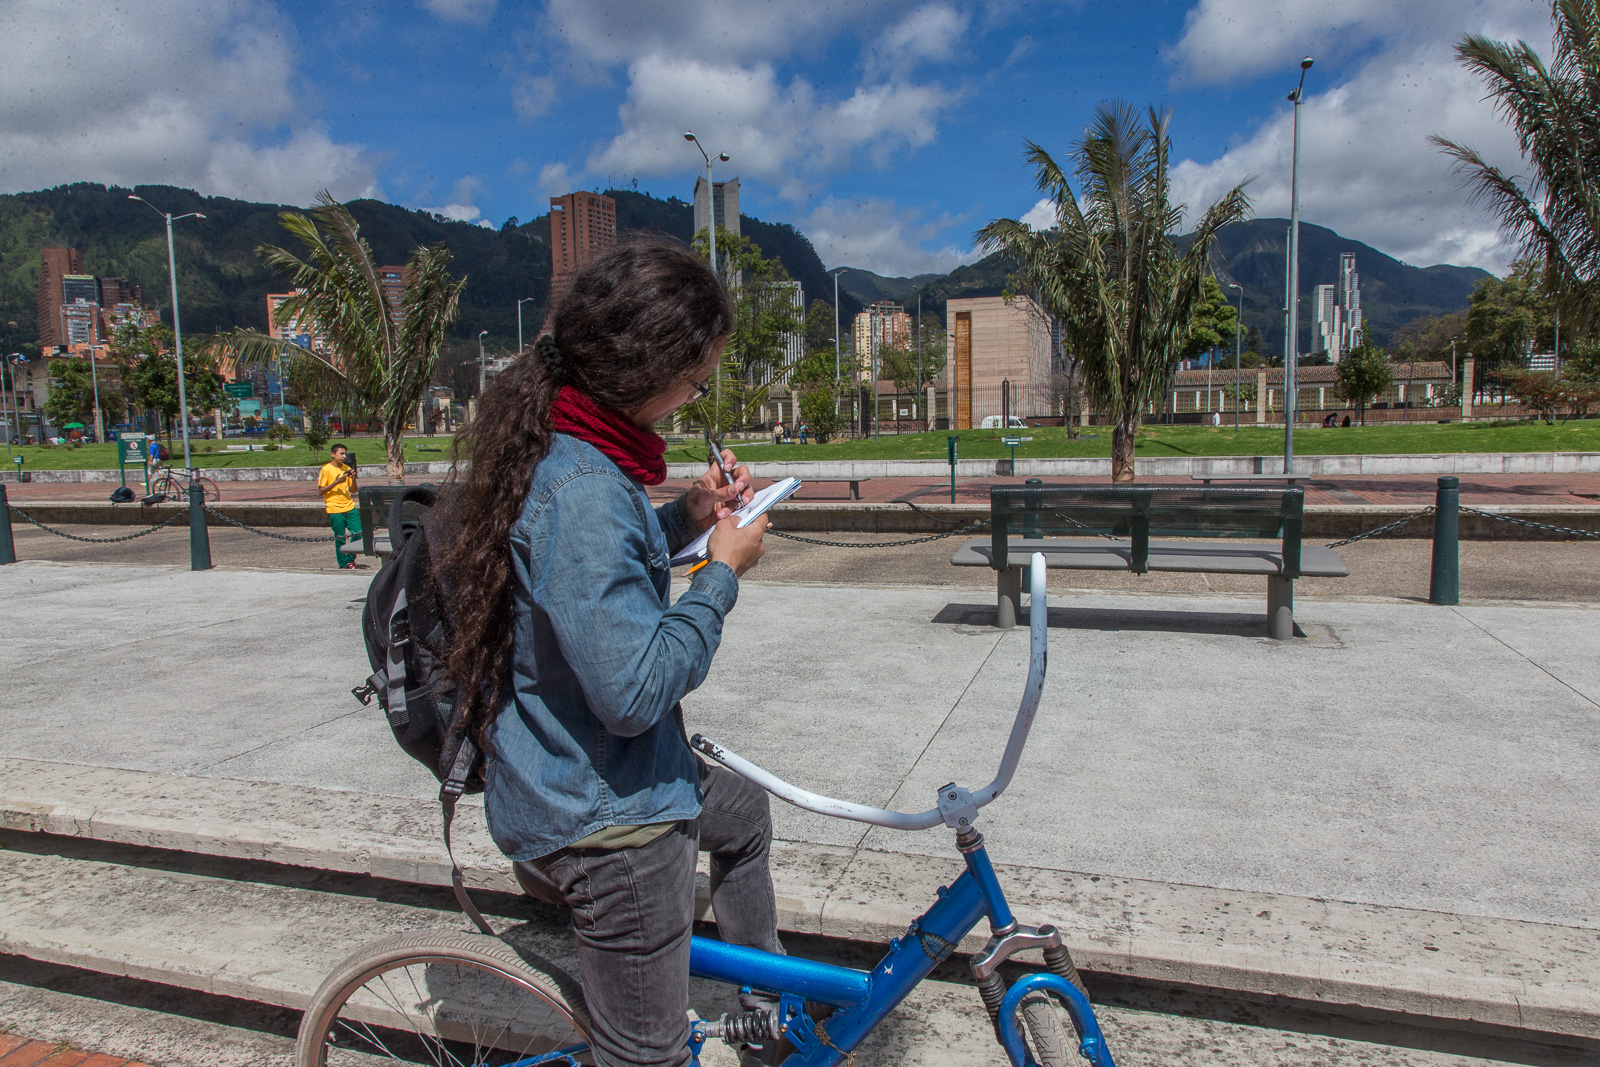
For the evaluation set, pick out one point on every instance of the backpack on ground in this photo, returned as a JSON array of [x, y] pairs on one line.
[[406, 624]]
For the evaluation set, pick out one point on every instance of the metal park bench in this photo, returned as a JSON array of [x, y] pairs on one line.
[[855, 484], [1125, 518], [374, 502]]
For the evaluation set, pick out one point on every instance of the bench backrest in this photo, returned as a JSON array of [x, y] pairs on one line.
[[1139, 512], [374, 502]]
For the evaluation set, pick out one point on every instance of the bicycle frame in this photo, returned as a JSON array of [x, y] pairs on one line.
[[865, 998]]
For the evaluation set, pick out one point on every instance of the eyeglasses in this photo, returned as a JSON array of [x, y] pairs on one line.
[[700, 388]]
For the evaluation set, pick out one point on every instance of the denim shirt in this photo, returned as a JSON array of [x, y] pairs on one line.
[[586, 736]]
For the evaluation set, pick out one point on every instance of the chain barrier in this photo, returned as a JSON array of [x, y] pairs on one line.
[[1535, 525], [215, 514], [969, 528], [1386, 527], [95, 540]]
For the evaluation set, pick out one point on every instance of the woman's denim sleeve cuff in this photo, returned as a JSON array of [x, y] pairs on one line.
[[717, 580]]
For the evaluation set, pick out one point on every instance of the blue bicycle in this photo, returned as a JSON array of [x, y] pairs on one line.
[[452, 999]]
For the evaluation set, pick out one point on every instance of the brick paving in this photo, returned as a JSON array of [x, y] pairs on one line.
[[1478, 489], [20, 1052]]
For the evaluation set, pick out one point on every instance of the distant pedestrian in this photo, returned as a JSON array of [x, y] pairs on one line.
[[1346, 421], [153, 464], [777, 432], [1216, 418], [803, 432], [337, 484]]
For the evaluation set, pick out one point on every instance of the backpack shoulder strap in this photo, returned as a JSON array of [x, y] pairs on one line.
[[454, 784]]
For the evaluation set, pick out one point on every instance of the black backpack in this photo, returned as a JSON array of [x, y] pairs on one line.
[[406, 624]]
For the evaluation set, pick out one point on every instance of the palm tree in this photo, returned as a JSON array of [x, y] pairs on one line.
[[1554, 217], [372, 364], [1109, 270]]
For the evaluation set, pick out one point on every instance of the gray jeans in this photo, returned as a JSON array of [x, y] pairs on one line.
[[633, 912]]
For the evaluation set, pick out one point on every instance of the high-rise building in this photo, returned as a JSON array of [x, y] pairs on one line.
[[1326, 311], [582, 227], [393, 280], [1349, 303], [883, 325], [1337, 310], [54, 265], [721, 198], [291, 328]]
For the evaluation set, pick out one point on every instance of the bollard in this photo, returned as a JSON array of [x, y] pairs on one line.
[[1034, 517], [8, 547], [199, 535], [1445, 585]]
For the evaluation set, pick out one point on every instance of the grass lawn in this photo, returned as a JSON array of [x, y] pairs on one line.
[[1573, 436], [1196, 441], [207, 454]]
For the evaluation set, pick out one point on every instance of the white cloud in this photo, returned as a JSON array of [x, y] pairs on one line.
[[474, 12], [461, 208], [1042, 215], [532, 96], [881, 237], [1367, 169], [714, 66], [777, 132], [555, 179], [170, 92]]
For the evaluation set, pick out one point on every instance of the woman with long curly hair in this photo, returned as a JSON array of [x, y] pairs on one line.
[[574, 658]]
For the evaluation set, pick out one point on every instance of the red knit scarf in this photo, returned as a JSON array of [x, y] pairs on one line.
[[639, 453]]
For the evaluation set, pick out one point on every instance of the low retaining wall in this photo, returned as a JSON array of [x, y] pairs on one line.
[[1322, 521], [1152, 467]]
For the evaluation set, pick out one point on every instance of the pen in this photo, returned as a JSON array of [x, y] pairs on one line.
[[727, 475], [696, 567]]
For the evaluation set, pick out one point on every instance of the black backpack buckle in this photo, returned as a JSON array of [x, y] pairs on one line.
[[364, 693]]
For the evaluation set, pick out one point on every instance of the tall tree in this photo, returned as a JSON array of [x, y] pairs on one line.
[[72, 394], [372, 366], [1505, 314], [1108, 269], [900, 363], [1215, 322], [1554, 215]]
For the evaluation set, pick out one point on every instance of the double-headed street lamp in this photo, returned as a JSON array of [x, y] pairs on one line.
[[177, 330], [1291, 352], [524, 300], [1238, 337]]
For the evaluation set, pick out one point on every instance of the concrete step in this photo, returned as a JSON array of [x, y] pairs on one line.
[[221, 929], [1426, 967]]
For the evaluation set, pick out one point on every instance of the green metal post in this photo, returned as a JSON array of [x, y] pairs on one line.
[[951, 443], [1034, 514], [199, 536], [1445, 585], [8, 547]]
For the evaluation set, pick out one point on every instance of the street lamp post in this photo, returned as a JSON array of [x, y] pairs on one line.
[[711, 233], [177, 330], [1238, 337], [524, 300], [1291, 352], [837, 344], [10, 395], [94, 383], [483, 371], [919, 356]]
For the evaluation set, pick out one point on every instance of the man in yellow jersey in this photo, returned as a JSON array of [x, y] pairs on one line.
[[337, 484]]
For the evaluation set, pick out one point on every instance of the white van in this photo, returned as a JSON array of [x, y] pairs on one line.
[[992, 422]]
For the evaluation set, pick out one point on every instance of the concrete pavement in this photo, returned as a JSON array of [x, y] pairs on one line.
[[1392, 812]]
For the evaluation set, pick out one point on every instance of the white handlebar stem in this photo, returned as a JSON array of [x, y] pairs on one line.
[[1038, 655]]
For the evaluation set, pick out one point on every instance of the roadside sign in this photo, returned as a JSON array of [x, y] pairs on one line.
[[132, 445], [1011, 442], [240, 390]]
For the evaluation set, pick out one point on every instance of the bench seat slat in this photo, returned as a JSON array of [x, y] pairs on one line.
[[1173, 556]]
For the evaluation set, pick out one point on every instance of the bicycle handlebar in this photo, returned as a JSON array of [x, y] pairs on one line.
[[1038, 654]]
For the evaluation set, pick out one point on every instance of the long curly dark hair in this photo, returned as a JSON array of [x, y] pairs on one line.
[[638, 321]]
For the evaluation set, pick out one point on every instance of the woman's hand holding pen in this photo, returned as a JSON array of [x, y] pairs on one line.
[[713, 496]]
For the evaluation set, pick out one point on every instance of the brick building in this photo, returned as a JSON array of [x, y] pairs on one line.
[[582, 226]]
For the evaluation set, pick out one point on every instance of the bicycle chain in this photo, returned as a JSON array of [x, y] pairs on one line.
[[96, 540], [266, 533]]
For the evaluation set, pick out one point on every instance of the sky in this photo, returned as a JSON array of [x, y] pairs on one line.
[[887, 131]]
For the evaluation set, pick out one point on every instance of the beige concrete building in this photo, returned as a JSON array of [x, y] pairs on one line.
[[991, 341]]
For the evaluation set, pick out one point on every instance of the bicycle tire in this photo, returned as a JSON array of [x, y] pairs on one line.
[[350, 1021], [1052, 1038], [166, 484], [212, 492]]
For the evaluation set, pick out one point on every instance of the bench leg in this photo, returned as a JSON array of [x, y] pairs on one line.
[[1280, 608], [1009, 604]]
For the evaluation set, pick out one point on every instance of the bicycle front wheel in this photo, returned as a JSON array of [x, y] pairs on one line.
[[212, 492], [444, 998]]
